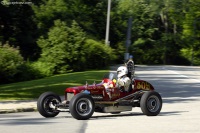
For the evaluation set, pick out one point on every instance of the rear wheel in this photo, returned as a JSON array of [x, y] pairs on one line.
[[81, 106], [151, 103], [46, 104]]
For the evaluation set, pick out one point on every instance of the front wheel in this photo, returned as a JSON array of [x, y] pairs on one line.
[[151, 103], [81, 106], [46, 104]]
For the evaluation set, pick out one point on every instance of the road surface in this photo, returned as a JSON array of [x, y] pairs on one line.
[[178, 86]]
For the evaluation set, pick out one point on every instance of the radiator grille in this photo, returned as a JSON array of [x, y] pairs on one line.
[[69, 96]]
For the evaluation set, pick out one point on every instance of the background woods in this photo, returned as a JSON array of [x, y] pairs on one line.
[[45, 37]]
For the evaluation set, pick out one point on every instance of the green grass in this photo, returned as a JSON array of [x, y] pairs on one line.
[[58, 84]]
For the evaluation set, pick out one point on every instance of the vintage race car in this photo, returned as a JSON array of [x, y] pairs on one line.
[[83, 101]]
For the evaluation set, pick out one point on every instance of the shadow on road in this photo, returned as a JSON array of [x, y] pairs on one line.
[[25, 121], [172, 86], [172, 113], [112, 116]]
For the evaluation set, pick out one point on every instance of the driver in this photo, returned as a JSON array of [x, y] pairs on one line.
[[123, 81]]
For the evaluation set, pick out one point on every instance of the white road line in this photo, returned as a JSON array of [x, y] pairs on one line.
[[181, 75]]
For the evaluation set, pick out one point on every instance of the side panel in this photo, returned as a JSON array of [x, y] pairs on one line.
[[112, 109], [142, 85]]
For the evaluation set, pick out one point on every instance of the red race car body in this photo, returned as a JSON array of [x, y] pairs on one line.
[[98, 91], [83, 101]]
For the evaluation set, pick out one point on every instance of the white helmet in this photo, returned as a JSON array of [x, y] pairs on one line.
[[121, 71]]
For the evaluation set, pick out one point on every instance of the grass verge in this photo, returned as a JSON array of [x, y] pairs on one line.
[[58, 83]]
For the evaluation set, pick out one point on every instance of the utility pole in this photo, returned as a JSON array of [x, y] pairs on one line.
[[128, 38], [108, 23], [194, 34]]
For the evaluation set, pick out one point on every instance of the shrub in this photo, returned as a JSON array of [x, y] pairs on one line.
[[10, 62], [43, 69], [14, 69], [97, 55], [30, 71]]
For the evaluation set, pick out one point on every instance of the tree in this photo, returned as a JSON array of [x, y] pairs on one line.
[[18, 28], [157, 29], [90, 15], [144, 30], [191, 32], [62, 47]]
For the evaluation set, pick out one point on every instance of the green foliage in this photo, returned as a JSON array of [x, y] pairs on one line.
[[161, 29], [10, 61], [191, 32], [62, 48], [66, 49], [145, 31], [28, 72], [13, 68], [64, 35], [42, 69], [119, 53], [90, 15], [17, 27], [48, 11], [97, 55], [190, 56]]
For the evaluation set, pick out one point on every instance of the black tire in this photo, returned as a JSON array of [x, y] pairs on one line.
[[151, 103], [44, 102], [81, 106]]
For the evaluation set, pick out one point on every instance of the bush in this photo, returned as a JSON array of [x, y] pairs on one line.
[[14, 69], [189, 57], [97, 55], [27, 72], [43, 69], [10, 62]]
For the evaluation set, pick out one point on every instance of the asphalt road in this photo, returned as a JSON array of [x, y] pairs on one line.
[[178, 86]]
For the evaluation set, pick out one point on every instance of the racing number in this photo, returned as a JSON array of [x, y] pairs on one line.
[[143, 85]]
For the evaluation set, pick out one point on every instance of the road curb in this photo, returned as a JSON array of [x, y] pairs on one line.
[[5, 111], [16, 106]]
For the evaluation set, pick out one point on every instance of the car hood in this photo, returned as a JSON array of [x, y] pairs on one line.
[[79, 89]]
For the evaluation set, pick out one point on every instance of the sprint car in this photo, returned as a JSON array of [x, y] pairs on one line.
[[83, 101]]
